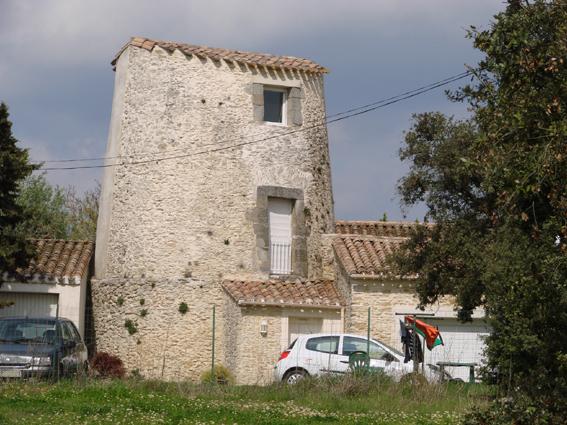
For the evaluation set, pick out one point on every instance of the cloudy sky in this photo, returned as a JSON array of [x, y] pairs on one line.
[[56, 78]]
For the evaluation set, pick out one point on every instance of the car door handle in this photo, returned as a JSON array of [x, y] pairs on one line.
[[344, 361]]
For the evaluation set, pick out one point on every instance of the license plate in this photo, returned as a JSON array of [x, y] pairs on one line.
[[10, 373]]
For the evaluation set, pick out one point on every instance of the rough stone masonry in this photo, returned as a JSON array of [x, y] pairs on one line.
[[179, 213]]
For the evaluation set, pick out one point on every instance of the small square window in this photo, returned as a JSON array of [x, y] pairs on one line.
[[274, 105]]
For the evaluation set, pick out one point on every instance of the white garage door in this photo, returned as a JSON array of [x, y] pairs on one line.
[[463, 343], [40, 305], [304, 326]]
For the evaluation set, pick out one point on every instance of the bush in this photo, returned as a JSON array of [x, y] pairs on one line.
[[222, 376], [518, 410], [107, 365]]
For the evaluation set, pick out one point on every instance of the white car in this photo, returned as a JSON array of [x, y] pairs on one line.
[[317, 354]]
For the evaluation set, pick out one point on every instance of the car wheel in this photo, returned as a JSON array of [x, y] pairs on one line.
[[293, 377]]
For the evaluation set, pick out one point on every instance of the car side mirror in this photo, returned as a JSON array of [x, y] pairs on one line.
[[70, 344]]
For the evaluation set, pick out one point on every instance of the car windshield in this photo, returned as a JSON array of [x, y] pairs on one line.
[[26, 331], [392, 349]]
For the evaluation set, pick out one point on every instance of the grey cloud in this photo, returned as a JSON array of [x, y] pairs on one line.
[[56, 77]]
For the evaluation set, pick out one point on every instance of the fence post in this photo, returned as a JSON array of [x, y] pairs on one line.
[[213, 377], [368, 340], [414, 343]]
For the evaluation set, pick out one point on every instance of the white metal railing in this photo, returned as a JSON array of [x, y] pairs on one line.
[[280, 258]]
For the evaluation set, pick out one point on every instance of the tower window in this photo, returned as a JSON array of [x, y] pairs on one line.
[[274, 105]]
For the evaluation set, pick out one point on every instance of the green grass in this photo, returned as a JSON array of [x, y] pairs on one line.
[[313, 401]]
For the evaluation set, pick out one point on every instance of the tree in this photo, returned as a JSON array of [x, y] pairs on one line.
[[495, 187], [83, 212], [55, 212], [45, 209], [15, 250]]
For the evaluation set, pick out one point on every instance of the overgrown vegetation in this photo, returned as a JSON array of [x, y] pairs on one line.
[[495, 186], [312, 401], [220, 375], [107, 365]]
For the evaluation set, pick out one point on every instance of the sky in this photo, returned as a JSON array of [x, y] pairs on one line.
[[56, 78]]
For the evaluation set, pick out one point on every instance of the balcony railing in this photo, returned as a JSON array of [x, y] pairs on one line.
[[280, 258]]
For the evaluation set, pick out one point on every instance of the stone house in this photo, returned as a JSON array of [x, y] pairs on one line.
[[55, 282], [218, 193]]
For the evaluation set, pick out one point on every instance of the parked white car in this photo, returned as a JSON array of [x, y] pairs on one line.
[[317, 354]]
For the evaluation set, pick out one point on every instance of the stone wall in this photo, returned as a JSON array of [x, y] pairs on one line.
[[167, 344], [169, 231], [252, 356], [194, 216], [386, 298]]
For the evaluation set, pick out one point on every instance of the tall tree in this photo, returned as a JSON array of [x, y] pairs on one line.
[[15, 250], [495, 185]]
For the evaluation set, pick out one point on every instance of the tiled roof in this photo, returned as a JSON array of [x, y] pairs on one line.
[[374, 228], [60, 261], [366, 255], [316, 293], [249, 58]]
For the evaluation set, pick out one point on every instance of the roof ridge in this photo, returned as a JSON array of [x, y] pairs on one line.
[[217, 53]]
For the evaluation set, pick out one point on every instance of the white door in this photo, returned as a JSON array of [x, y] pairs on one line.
[[463, 343], [26, 304], [303, 326], [279, 215]]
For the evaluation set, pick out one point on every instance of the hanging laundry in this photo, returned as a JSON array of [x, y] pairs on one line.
[[407, 335], [431, 334]]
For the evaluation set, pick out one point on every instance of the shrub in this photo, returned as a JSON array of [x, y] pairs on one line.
[[131, 326], [222, 376], [183, 308], [107, 365]]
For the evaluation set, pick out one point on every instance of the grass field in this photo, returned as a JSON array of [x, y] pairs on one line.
[[318, 401]]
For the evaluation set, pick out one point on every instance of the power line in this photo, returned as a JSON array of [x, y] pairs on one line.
[[335, 118], [102, 158]]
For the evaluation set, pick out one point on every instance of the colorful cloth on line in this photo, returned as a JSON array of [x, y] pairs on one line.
[[430, 333], [408, 341]]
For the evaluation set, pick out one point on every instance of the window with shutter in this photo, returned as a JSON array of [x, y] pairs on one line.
[[280, 223]]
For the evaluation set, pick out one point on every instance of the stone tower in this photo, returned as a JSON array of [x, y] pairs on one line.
[[218, 168]]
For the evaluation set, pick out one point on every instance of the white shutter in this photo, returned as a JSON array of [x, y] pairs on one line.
[[279, 214]]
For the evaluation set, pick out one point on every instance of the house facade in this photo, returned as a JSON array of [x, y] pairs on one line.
[[218, 194]]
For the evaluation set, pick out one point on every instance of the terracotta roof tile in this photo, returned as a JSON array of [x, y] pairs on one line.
[[284, 62], [366, 255], [60, 261], [315, 293], [375, 228]]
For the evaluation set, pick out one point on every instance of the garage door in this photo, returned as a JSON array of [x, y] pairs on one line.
[[304, 326], [40, 305], [463, 343]]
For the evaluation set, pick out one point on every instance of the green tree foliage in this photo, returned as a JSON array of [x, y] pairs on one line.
[[56, 212], [15, 250], [46, 213], [83, 212], [496, 187]]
